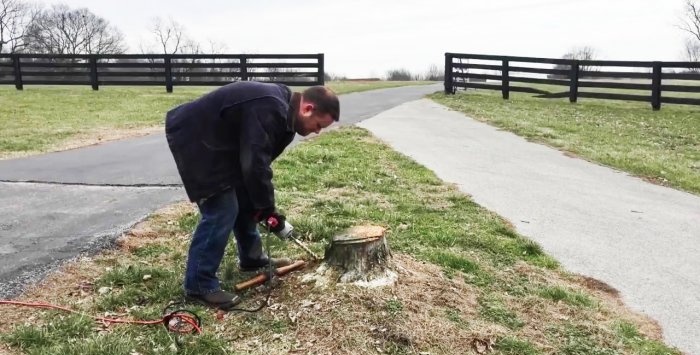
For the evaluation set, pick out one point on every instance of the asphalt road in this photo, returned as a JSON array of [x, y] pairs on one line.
[[58, 205], [640, 238]]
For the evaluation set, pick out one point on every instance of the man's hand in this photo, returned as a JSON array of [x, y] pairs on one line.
[[271, 219], [275, 222]]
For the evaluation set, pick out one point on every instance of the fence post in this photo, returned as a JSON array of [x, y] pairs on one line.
[[244, 68], [93, 72], [18, 72], [573, 81], [505, 80], [168, 74], [656, 87], [449, 87], [321, 70]]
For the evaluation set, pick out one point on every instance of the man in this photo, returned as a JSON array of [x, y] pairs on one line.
[[223, 144]]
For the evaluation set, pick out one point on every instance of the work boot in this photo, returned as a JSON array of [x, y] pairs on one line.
[[263, 264], [219, 299]]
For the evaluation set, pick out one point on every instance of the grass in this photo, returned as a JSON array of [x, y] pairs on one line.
[[661, 146], [46, 118], [561, 294], [468, 277]]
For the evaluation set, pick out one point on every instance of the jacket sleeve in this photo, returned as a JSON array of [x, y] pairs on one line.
[[257, 139]]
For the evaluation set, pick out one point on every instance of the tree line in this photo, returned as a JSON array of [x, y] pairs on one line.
[[58, 29]]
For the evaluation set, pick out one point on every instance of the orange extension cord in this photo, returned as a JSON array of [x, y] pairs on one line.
[[172, 321]]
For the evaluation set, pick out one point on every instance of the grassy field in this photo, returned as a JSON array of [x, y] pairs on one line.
[[662, 146], [469, 284], [47, 118]]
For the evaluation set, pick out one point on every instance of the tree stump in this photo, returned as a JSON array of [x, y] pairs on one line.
[[361, 255]]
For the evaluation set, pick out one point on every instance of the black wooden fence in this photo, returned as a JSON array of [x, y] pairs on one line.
[[165, 70], [578, 77]]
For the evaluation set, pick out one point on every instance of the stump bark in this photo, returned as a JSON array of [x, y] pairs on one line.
[[360, 254]]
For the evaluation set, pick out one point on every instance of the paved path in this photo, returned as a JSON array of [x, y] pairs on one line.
[[641, 238], [59, 204]]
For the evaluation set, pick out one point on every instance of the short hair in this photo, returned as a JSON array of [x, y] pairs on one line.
[[324, 100]]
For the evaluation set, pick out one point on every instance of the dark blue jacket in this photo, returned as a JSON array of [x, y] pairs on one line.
[[228, 139]]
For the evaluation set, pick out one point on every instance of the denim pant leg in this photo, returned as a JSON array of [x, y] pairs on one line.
[[250, 248], [218, 216]]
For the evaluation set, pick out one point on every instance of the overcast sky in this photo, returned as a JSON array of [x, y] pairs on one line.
[[363, 38]]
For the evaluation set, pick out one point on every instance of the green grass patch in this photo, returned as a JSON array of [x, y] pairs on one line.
[[454, 316], [579, 340], [42, 118], [640, 345], [188, 222], [394, 307], [659, 145], [512, 346], [574, 298], [492, 309], [151, 250]]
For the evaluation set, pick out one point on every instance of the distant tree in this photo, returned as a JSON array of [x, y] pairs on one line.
[[577, 53], [215, 47], [62, 30], [169, 35], [434, 74], [692, 51], [399, 75], [334, 77], [690, 23], [15, 17], [582, 53]]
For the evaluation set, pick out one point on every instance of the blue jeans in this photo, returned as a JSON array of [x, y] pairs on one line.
[[220, 214]]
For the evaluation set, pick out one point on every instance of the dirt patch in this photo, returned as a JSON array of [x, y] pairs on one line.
[[93, 137], [599, 286], [412, 315]]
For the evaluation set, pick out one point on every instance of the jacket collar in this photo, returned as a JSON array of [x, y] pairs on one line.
[[294, 99]]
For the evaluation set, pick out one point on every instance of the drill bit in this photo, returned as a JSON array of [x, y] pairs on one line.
[[306, 249]]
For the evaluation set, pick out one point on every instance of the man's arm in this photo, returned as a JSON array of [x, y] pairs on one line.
[[257, 139]]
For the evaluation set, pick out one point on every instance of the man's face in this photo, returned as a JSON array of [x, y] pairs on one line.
[[309, 121]]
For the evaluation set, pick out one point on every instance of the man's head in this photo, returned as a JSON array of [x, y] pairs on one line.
[[318, 109]]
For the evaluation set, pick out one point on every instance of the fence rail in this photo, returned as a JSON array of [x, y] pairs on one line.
[[492, 72], [166, 70]]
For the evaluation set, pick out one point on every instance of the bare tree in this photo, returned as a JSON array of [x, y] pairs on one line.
[[434, 73], [62, 30], [690, 22], [216, 47], [576, 53], [582, 53], [692, 51], [190, 46], [169, 34], [15, 17]]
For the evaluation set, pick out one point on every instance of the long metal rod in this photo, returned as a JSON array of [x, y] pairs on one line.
[[306, 249]]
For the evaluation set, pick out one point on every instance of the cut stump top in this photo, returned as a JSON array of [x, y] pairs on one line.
[[360, 234]]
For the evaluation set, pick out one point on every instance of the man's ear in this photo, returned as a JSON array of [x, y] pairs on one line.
[[307, 107]]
